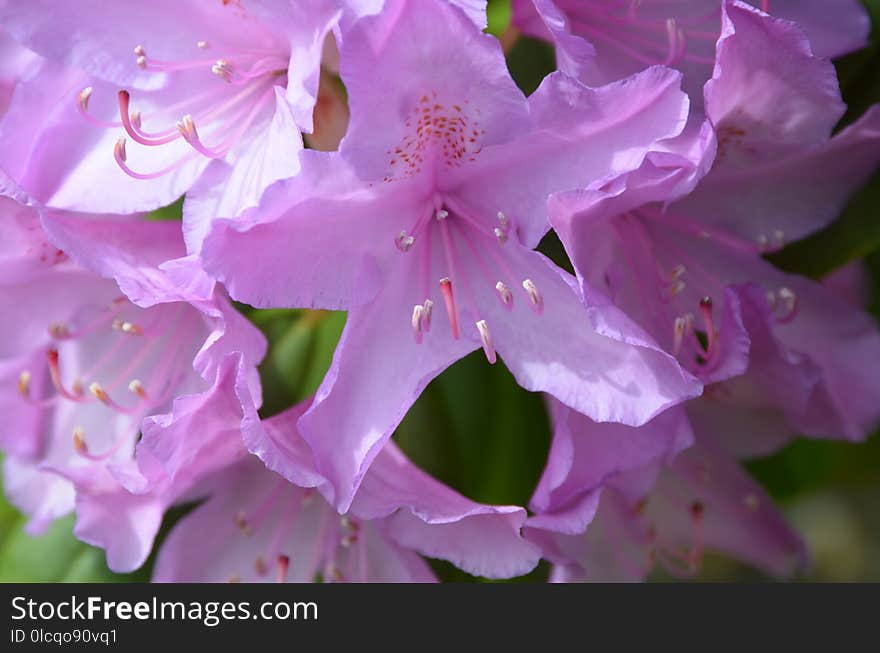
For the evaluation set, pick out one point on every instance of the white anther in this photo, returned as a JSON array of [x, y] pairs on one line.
[[403, 242], [678, 271], [24, 383], [135, 118], [347, 540], [679, 332], [789, 299], [138, 388], [202, 45], [223, 69], [763, 243], [486, 340], [141, 62], [130, 328], [418, 311], [504, 294], [186, 126], [676, 287], [83, 97], [119, 149], [98, 392], [779, 237], [79, 440], [534, 295], [139, 50], [501, 235], [426, 315], [59, 330], [442, 214], [503, 219]]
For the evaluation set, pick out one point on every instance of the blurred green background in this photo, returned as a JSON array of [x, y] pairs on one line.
[[475, 429]]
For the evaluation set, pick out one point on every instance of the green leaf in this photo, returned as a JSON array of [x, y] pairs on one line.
[[475, 429], [498, 13]]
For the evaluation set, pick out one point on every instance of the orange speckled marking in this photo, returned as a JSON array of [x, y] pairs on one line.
[[449, 133]]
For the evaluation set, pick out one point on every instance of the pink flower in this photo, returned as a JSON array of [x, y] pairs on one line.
[[203, 98], [265, 527], [433, 205], [777, 176], [669, 512], [601, 41], [83, 364]]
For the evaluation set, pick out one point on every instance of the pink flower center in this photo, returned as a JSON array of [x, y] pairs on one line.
[[338, 551], [139, 367], [470, 255], [225, 113], [673, 297]]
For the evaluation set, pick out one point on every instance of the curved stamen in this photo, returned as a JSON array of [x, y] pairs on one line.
[[82, 448], [134, 130], [82, 105], [119, 154], [55, 374]]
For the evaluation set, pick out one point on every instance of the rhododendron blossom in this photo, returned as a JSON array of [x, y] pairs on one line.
[[649, 256]]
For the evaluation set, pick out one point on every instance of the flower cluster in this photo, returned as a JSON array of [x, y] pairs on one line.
[[678, 142]]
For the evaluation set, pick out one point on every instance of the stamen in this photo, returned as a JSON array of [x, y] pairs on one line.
[[442, 214], [534, 295], [130, 328], [55, 374], [120, 155], [790, 305], [334, 573], [260, 566], [708, 322], [504, 295], [418, 312], [752, 502], [82, 98], [347, 540], [202, 45], [283, 566], [82, 105], [449, 299], [677, 272], [426, 315], [672, 34], [99, 393], [403, 242], [138, 388], [680, 330], [223, 69], [242, 524], [24, 383], [501, 235], [486, 339], [79, 441], [505, 223], [132, 121]]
